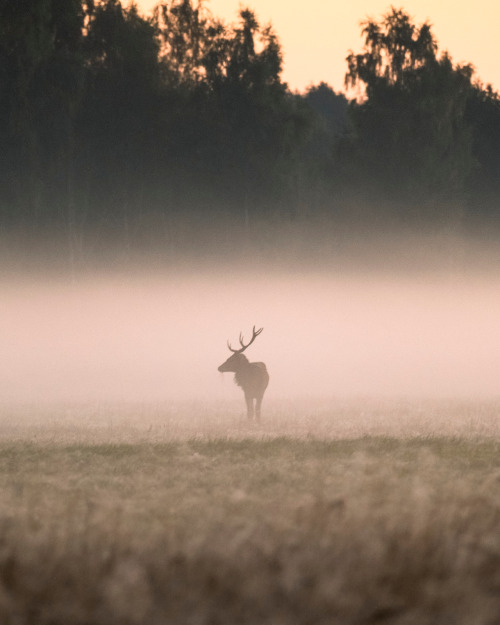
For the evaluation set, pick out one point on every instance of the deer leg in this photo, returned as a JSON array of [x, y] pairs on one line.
[[249, 401], [258, 402]]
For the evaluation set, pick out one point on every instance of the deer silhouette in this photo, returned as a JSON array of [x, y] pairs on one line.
[[252, 377]]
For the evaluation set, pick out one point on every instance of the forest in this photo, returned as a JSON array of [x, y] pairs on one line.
[[115, 121]]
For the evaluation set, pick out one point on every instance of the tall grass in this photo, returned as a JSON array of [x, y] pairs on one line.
[[271, 525], [328, 418]]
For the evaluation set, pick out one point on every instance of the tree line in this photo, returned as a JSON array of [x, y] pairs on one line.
[[109, 118]]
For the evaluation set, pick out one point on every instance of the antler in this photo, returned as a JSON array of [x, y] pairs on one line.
[[255, 334]]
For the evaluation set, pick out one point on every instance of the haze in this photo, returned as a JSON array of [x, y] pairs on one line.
[[159, 335]]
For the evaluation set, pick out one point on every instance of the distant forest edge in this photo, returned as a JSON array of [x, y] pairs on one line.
[[113, 120]]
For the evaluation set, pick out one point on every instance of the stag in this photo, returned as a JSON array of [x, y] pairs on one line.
[[252, 377]]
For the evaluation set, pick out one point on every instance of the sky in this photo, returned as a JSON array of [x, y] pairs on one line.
[[316, 36]]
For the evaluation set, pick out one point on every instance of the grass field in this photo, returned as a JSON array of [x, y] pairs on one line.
[[337, 512]]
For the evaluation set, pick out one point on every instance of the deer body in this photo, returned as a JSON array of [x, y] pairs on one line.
[[252, 377]]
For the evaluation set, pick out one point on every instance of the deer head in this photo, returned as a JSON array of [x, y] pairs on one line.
[[238, 360]]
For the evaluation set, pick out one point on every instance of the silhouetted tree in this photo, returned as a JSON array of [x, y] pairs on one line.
[[483, 115], [41, 74], [258, 123], [108, 116], [320, 163], [238, 125], [413, 145], [121, 122], [186, 31]]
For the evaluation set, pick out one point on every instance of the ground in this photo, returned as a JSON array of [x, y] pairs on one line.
[[332, 512]]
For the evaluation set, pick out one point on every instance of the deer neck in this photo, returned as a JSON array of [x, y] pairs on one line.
[[239, 373]]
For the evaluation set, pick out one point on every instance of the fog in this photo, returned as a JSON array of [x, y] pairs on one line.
[[160, 334]]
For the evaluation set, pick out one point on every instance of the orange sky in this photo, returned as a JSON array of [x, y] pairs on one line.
[[316, 35]]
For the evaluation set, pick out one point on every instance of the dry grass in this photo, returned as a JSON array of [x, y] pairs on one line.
[[184, 514], [320, 419]]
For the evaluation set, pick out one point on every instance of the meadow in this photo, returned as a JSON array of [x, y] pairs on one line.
[[336, 511]]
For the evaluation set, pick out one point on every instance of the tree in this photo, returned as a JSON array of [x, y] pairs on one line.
[[483, 115], [120, 121], [413, 145], [186, 32], [41, 69], [320, 164], [256, 119], [235, 126]]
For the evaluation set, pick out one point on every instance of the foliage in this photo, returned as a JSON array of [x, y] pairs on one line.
[[110, 119], [320, 159], [237, 117], [395, 50], [118, 121], [483, 115], [412, 113], [41, 81]]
